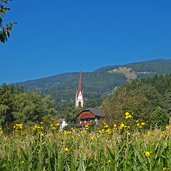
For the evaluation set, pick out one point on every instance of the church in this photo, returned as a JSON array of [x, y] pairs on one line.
[[90, 116], [79, 101]]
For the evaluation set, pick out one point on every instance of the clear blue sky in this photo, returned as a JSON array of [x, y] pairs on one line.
[[58, 36]]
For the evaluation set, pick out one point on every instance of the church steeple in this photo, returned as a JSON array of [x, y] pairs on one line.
[[79, 101]]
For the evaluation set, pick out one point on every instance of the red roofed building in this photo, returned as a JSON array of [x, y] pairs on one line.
[[90, 116]]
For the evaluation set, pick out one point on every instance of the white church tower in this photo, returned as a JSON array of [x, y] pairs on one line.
[[79, 101]]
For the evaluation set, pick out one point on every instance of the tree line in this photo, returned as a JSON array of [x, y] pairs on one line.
[[17, 106], [148, 100]]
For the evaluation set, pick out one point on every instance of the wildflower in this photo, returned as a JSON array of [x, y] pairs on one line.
[[106, 126], [143, 123], [18, 126], [138, 124], [115, 125], [148, 133], [66, 132], [121, 126], [22, 162], [57, 124], [72, 129], [147, 153], [109, 161], [66, 149], [108, 131], [92, 138], [127, 117], [127, 114]]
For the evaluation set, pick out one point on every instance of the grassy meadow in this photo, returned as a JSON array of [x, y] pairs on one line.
[[44, 147]]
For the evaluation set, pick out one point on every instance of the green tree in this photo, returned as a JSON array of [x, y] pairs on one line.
[[140, 97], [32, 107], [23, 107], [5, 29], [7, 93], [159, 118]]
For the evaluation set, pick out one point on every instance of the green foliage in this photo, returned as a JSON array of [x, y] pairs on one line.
[[86, 151], [148, 100], [7, 28], [20, 107], [159, 118]]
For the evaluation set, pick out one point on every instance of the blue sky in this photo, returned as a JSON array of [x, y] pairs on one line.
[[57, 36]]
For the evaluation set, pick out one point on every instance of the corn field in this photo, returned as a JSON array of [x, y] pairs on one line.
[[108, 149]]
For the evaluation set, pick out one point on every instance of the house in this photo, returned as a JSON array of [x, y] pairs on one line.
[[90, 116]]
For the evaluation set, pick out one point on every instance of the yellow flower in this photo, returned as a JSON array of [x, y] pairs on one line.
[[121, 126], [147, 153], [126, 113], [57, 124], [66, 149], [126, 117], [106, 126], [148, 133], [129, 116], [93, 138], [115, 125], [108, 131], [143, 123], [109, 161]]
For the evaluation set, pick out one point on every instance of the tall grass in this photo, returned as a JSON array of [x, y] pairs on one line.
[[54, 150]]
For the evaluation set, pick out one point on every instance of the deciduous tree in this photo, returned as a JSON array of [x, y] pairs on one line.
[[5, 29]]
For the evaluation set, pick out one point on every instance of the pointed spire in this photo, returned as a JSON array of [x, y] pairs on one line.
[[79, 84], [79, 93]]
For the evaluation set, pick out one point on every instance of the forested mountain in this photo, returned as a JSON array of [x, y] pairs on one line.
[[102, 81]]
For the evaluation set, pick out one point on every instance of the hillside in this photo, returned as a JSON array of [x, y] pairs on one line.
[[97, 83]]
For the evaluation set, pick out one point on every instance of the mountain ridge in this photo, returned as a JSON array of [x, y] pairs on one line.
[[98, 82]]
